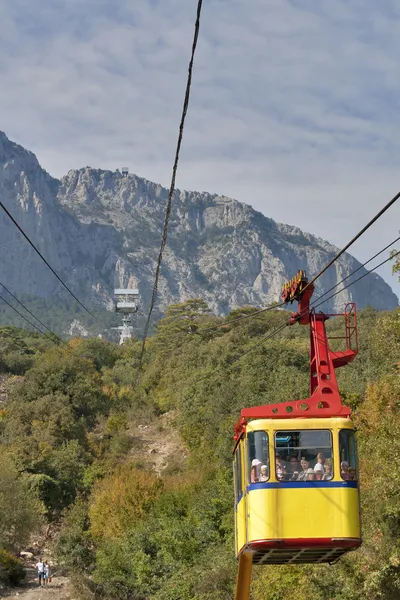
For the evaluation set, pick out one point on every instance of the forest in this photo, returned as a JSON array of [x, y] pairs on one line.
[[72, 455]]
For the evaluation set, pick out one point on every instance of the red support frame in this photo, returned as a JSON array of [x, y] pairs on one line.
[[324, 399]]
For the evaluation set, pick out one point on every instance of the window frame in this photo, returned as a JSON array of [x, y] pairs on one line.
[[249, 460], [280, 450], [350, 433], [238, 474]]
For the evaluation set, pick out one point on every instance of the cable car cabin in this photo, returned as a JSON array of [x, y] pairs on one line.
[[295, 463], [296, 501]]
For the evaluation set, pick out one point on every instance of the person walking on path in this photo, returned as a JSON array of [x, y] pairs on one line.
[[40, 569], [46, 572]]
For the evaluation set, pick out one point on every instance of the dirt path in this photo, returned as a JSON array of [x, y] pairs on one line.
[[58, 589], [162, 448]]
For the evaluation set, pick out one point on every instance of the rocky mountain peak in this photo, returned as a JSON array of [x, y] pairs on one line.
[[16, 162], [22, 178], [101, 230], [95, 189]]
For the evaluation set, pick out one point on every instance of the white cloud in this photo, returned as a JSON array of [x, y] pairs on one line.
[[294, 105]]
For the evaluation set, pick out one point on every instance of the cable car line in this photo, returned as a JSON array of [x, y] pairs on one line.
[[54, 338], [172, 186], [253, 314], [278, 305], [262, 310], [355, 238], [358, 279], [228, 322], [55, 341], [27, 310], [260, 342], [43, 258], [314, 305], [360, 267]]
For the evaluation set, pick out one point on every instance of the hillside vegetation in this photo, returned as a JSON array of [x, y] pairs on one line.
[[71, 444]]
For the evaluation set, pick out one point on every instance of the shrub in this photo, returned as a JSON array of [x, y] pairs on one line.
[[116, 423], [11, 569], [121, 500], [19, 507], [74, 547], [18, 364]]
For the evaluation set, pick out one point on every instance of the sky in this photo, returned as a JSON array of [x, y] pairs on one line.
[[294, 109]]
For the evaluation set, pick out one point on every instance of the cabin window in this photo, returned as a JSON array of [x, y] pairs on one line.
[[348, 455], [305, 455], [238, 474], [258, 456]]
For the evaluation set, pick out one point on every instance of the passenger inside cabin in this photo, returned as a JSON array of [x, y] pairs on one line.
[[352, 474], [328, 472], [255, 470], [280, 468], [344, 470], [264, 473], [295, 468], [307, 474], [319, 467]]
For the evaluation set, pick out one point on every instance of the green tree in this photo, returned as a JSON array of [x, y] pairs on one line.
[[20, 511], [12, 571], [120, 500], [396, 264], [74, 547], [180, 321], [67, 465], [100, 352]]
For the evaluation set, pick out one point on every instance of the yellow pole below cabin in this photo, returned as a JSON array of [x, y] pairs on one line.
[[244, 576]]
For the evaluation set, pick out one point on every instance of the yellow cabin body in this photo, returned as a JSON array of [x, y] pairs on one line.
[[296, 490]]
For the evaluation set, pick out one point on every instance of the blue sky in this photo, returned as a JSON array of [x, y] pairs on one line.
[[295, 105]]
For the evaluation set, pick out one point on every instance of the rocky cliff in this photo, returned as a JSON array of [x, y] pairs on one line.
[[101, 230]]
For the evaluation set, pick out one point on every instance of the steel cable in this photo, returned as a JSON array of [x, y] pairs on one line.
[[172, 187], [314, 305], [360, 267], [43, 258], [262, 310], [358, 278], [29, 311], [55, 341], [355, 238]]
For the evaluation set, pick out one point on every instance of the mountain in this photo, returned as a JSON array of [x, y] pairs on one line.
[[100, 230]]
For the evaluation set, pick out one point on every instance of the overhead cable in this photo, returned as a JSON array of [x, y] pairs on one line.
[[242, 317], [55, 341], [54, 338], [360, 267], [261, 341], [358, 278], [262, 310], [27, 309], [316, 304], [172, 186], [43, 258], [355, 238]]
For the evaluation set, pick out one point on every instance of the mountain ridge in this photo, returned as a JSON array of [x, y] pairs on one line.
[[100, 230]]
